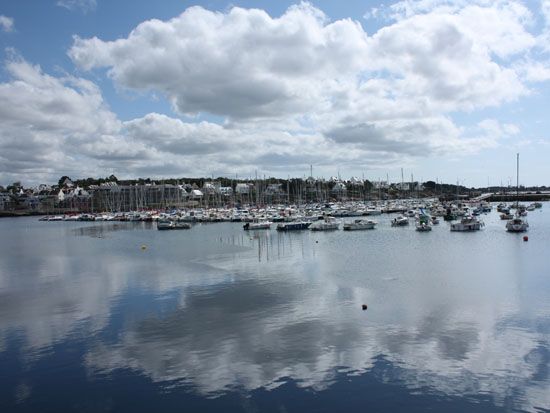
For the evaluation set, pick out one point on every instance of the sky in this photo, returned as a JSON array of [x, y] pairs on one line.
[[443, 90]]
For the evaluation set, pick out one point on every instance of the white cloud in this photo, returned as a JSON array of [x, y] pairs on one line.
[[241, 64], [545, 9], [84, 6], [245, 64], [6, 23], [296, 89], [45, 119]]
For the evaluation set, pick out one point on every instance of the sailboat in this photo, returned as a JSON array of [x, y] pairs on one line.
[[517, 224]]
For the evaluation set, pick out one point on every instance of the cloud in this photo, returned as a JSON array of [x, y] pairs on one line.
[[545, 9], [241, 64], [84, 6], [45, 119], [6, 24], [294, 89], [300, 68]]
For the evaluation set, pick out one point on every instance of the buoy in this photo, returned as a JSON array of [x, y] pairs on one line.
[[144, 247], [364, 307], [525, 238]]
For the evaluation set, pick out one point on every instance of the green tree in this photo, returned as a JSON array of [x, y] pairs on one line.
[[62, 180]]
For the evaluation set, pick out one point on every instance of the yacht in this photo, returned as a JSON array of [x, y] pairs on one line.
[[517, 225], [423, 223], [327, 224], [423, 226], [169, 225], [293, 226], [400, 221], [373, 211], [257, 224], [359, 224], [468, 223]]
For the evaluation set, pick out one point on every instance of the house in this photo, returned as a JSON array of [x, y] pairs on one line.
[[243, 188], [380, 184], [6, 202], [339, 188], [274, 189], [196, 194]]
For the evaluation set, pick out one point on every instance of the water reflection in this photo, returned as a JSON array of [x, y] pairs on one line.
[[103, 229], [259, 310]]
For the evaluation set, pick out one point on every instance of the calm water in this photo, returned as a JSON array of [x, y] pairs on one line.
[[215, 319]]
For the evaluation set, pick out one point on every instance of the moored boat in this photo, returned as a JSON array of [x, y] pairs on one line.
[[359, 224], [423, 223], [468, 223], [257, 224], [517, 225], [293, 226], [327, 224], [170, 225], [400, 221]]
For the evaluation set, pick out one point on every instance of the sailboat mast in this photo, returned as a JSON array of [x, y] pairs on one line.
[[517, 179]]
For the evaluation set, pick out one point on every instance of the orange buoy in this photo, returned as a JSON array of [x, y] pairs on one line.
[[525, 238], [364, 307]]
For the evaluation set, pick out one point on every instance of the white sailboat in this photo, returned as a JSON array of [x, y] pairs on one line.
[[517, 224]]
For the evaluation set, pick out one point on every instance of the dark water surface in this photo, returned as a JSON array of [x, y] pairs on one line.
[[215, 319]]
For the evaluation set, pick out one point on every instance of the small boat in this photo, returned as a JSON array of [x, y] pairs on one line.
[[327, 224], [506, 216], [164, 224], [359, 224], [372, 211], [435, 221], [170, 225], [449, 215], [400, 221], [468, 223], [423, 223], [257, 224], [517, 225], [423, 226], [293, 226]]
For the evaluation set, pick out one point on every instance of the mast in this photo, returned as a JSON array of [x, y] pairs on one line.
[[517, 180]]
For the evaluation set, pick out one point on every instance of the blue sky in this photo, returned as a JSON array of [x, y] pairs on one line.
[[445, 89]]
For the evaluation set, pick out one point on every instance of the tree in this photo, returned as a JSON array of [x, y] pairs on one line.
[[430, 185], [62, 180]]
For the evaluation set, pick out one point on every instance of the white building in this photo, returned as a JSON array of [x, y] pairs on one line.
[[243, 189], [381, 184]]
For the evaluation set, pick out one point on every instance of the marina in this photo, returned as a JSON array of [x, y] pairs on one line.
[[463, 216]]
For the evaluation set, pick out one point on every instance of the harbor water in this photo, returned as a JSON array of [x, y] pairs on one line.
[[104, 316]]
